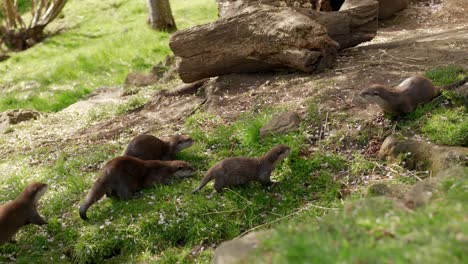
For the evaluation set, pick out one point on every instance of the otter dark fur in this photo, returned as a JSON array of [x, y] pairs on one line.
[[406, 97], [148, 147], [240, 170], [21, 211], [123, 176]]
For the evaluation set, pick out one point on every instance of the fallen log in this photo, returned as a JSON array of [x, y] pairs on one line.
[[355, 23], [260, 38]]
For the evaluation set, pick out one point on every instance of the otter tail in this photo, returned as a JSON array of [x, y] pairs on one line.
[[93, 196], [208, 177], [455, 84]]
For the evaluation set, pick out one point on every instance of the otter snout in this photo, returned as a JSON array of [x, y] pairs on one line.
[[185, 171]]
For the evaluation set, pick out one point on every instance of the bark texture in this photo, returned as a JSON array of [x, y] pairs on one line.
[[260, 38], [231, 7], [160, 15], [256, 38]]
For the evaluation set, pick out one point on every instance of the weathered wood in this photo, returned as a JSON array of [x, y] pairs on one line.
[[231, 7], [355, 23], [259, 38], [387, 8]]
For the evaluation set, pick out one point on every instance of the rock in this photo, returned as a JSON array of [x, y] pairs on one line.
[[281, 123], [140, 79], [237, 250], [12, 117], [419, 155]]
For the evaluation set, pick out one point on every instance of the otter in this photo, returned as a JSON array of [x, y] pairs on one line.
[[123, 176], [22, 211], [239, 170], [405, 97], [148, 147]]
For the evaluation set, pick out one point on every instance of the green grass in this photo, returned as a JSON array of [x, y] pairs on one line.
[[377, 230], [98, 44]]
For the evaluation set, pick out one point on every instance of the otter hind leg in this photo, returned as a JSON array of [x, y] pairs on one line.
[[122, 192], [219, 185]]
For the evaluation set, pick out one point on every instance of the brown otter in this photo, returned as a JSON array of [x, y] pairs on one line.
[[123, 176], [148, 147], [406, 96], [240, 170], [21, 211]]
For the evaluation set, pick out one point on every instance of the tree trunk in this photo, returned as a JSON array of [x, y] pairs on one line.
[[160, 15]]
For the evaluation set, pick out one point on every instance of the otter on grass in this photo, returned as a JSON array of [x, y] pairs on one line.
[[123, 176], [148, 147], [239, 170], [21, 211], [406, 97]]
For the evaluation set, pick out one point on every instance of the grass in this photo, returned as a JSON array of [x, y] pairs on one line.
[[167, 222], [377, 230], [98, 43]]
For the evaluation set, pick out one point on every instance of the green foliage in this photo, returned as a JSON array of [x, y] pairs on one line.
[[448, 126]]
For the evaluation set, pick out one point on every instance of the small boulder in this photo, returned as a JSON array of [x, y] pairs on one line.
[[237, 250], [281, 123], [419, 155]]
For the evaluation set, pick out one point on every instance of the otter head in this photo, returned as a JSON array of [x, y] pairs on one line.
[[180, 142], [378, 94], [278, 153], [34, 191], [182, 168]]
